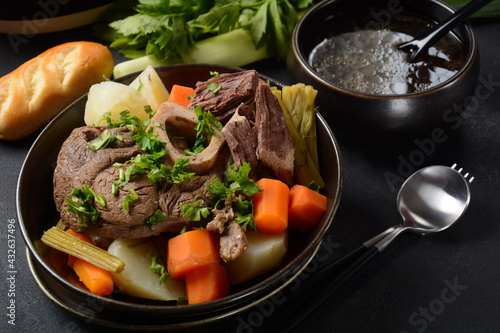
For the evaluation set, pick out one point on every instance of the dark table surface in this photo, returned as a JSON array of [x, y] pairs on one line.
[[445, 282]]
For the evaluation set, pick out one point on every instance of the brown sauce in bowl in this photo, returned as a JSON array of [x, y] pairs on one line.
[[367, 60]]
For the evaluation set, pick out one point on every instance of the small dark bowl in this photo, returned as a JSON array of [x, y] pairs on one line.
[[368, 117], [37, 213]]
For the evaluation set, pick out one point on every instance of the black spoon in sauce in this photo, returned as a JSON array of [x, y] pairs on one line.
[[420, 44]]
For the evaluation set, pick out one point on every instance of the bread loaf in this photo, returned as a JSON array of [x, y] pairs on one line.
[[39, 89]]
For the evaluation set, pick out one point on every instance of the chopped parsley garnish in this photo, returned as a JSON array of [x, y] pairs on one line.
[[82, 203], [236, 186], [203, 129], [157, 217], [129, 198], [158, 268], [214, 87], [238, 177], [150, 163], [178, 173], [195, 211], [103, 140]]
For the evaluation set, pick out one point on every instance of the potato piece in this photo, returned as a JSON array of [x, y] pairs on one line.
[[113, 97], [149, 85], [136, 279], [264, 252]]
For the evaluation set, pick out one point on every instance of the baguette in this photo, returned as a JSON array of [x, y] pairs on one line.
[[39, 89]]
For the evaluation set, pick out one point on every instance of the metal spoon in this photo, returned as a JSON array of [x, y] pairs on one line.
[[430, 200], [420, 44]]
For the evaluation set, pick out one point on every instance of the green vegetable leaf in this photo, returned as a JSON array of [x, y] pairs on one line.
[[219, 19], [158, 268], [168, 30], [273, 26]]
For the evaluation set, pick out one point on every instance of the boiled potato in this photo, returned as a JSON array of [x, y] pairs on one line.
[[264, 252], [136, 279], [113, 97], [149, 85]]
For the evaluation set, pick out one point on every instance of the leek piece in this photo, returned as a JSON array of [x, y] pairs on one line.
[[306, 170], [235, 48], [298, 100], [62, 241]]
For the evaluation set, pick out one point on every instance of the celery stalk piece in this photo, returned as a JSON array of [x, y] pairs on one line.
[[62, 241], [135, 65], [235, 48]]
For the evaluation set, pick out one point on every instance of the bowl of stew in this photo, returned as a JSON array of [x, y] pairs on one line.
[[37, 213], [369, 89]]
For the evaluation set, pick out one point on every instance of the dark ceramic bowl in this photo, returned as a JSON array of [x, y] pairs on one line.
[[37, 213], [368, 117], [29, 17]]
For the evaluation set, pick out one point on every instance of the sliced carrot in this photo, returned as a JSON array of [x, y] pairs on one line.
[[207, 283], [97, 280], [271, 206], [191, 249], [81, 236], [306, 208], [71, 259], [180, 94]]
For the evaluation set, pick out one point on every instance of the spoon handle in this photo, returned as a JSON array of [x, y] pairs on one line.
[[309, 297], [349, 256], [420, 44], [451, 22], [322, 284]]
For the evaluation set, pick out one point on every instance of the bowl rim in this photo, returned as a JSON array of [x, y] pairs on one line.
[[279, 279], [471, 58]]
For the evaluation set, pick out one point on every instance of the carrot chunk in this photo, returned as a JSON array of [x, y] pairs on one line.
[[189, 250], [271, 206], [306, 208], [97, 280], [180, 94], [207, 283]]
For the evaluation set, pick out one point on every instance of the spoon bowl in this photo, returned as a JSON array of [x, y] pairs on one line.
[[432, 199]]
